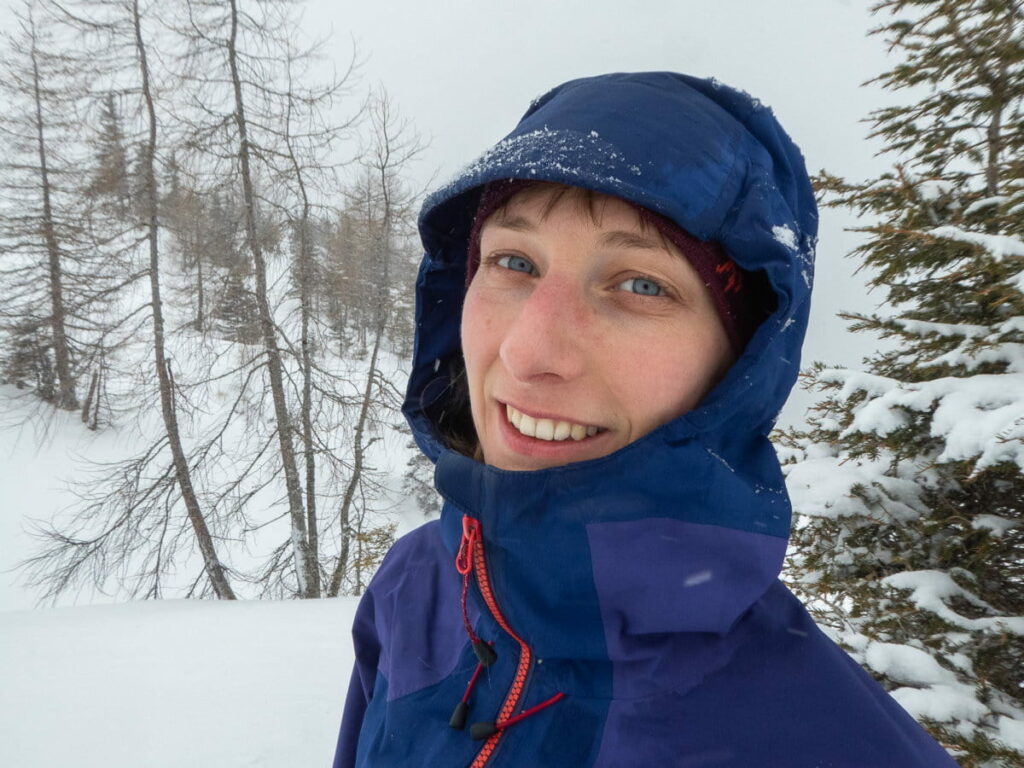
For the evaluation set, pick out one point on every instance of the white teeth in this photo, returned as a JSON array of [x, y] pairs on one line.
[[545, 429], [548, 429]]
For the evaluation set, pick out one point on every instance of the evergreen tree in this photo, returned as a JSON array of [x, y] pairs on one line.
[[110, 180], [909, 481], [235, 314]]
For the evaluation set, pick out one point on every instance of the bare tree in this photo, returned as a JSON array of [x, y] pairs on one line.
[[268, 440], [39, 86], [119, 513], [305, 145], [214, 569], [379, 192]]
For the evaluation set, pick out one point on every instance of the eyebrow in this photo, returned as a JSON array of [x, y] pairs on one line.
[[620, 239], [616, 238], [515, 223]]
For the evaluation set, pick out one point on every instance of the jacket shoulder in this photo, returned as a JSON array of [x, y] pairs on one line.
[[416, 613], [420, 548], [822, 702]]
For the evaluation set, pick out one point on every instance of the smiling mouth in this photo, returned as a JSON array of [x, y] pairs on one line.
[[549, 429]]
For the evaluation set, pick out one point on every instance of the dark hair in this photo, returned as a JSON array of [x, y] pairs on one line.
[[455, 422]]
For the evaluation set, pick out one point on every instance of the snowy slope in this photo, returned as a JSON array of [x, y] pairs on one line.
[[174, 683], [39, 451]]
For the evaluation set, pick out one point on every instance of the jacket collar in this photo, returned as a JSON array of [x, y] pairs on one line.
[[630, 559]]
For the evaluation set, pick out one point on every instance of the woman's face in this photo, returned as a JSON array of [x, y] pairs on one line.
[[582, 335]]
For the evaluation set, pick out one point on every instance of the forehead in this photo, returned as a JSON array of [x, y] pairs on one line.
[[535, 205]]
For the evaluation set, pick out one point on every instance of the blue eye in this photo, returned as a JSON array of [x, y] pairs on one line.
[[642, 286], [516, 264]]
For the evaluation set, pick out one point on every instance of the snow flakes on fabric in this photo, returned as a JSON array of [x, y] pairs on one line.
[[783, 234], [571, 155]]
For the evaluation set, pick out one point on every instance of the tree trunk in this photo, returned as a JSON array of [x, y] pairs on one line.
[[305, 302], [87, 405], [359, 450], [306, 570], [200, 316], [215, 571], [65, 396]]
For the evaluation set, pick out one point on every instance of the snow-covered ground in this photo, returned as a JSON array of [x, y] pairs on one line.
[[160, 683], [174, 683], [39, 452]]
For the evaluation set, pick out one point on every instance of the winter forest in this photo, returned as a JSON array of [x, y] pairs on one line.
[[207, 251]]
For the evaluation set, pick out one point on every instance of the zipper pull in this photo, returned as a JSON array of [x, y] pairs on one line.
[[470, 539], [458, 718], [485, 653]]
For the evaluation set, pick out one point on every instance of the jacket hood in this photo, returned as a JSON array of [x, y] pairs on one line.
[[709, 157], [684, 529]]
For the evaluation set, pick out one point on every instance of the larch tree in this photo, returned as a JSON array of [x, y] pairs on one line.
[[214, 569], [38, 227], [259, 473], [908, 483], [234, 80], [68, 255], [385, 208], [138, 518], [265, 132]]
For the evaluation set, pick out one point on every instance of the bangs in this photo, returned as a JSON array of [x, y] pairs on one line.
[[586, 201]]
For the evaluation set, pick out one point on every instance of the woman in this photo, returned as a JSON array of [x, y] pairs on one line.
[[599, 360]]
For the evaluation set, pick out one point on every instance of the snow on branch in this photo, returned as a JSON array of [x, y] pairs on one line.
[[979, 418], [950, 330], [906, 665], [985, 202], [997, 246], [832, 487], [941, 703], [932, 190], [970, 353], [929, 591]]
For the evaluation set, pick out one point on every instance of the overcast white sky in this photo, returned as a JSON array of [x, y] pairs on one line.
[[463, 71]]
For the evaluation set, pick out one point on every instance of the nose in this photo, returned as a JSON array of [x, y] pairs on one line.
[[546, 340]]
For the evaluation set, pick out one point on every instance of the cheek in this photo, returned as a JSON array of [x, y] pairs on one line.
[[663, 378], [478, 335]]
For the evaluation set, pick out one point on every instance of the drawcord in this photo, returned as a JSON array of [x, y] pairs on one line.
[[481, 731], [484, 651], [458, 718]]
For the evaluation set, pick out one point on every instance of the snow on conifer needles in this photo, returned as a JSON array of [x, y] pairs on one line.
[[908, 483], [978, 419]]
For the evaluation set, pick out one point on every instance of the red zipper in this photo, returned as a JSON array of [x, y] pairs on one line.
[[471, 553]]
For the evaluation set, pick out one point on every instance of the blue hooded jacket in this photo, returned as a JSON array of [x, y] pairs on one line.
[[633, 598]]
